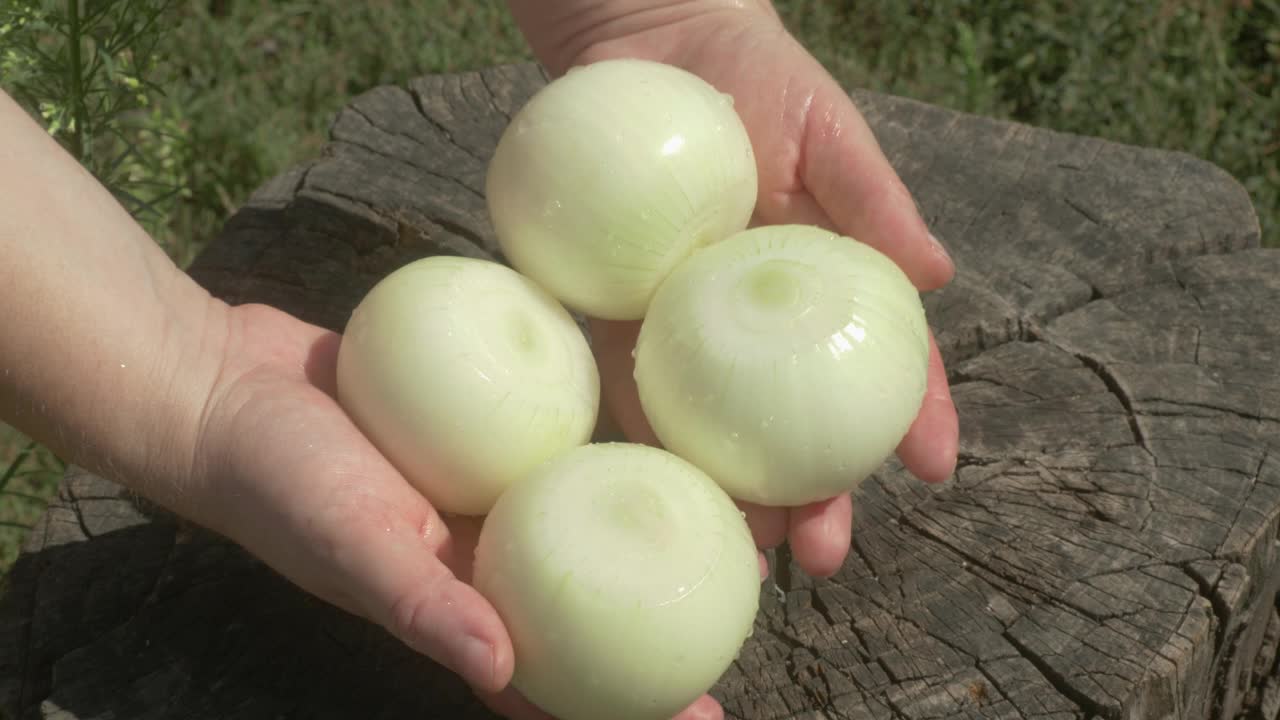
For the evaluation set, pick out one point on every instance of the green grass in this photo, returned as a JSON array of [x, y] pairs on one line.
[[28, 479], [250, 86], [1201, 76]]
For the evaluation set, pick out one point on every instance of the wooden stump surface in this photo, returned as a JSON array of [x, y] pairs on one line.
[[1106, 548]]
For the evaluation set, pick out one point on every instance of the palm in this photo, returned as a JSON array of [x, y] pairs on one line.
[[299, 486]]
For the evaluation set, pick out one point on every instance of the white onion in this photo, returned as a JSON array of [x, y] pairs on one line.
[[466, 375], [786, 361], [627, 579], [612, 174]]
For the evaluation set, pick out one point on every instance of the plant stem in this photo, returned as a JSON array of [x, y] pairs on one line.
[[77, 81]]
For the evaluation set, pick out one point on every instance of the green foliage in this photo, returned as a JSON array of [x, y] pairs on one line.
[[84, 69], [253, 84], [29, 476], [1201, 76]]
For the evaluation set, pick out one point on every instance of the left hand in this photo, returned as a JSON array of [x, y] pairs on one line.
[[818, 164]]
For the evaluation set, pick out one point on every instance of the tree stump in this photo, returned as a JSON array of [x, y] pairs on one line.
[[1106, 548]]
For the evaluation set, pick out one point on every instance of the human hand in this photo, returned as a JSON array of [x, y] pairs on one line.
[[819, 164], [281, 470]]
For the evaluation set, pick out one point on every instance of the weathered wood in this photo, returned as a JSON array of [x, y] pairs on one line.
[[1106, 548]]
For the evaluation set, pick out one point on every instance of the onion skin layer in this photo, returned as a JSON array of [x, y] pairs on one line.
[[611, 175], [627, 579], [787, 362], [466, 376]]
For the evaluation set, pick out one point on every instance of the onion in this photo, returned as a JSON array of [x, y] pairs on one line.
[[627, 579], [611, 175], [466, 376], [786, 361]]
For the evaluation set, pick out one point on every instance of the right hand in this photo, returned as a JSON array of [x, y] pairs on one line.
[[818, 163]]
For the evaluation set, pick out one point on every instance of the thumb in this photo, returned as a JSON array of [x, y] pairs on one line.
[[284, 472], [396, 580], [447, 620], [363, 539]]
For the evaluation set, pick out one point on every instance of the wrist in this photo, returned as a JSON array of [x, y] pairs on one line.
[[110, 349], [172, 416], [582, 31], [137, 417]]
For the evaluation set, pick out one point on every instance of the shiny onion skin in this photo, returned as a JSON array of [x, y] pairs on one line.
[[785, 361], [627, 580], [466, 376], [611, 175]]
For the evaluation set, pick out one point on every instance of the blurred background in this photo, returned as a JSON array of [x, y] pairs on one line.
[[183, 107]]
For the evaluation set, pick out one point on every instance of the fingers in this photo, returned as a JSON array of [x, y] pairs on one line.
[[704, 708], [612, 343], [380, 553], [930, 446], [386, 557], [820, 534], [854, 185], [768, 524], [510, 704], [459, 553], [449, 621]]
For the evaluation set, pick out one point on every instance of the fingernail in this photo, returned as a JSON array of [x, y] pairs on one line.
[[939, 250], [476, 663]]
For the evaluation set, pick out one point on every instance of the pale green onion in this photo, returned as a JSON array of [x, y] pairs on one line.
[[466, 376], [611, 175], [627, 579], [786, 361]]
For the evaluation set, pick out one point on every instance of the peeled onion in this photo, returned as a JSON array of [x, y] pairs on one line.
[[466, 376], [785, 361], [611, 175], [627, 580]]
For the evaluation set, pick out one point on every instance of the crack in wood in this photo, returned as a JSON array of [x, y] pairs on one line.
[[996, 685], [1113, 384], [79, 511], [421, 105], [1221, 612], [354, 140], [1220, 409], [1060, 682], [492, 96], [1087, 214], [409, 164]]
